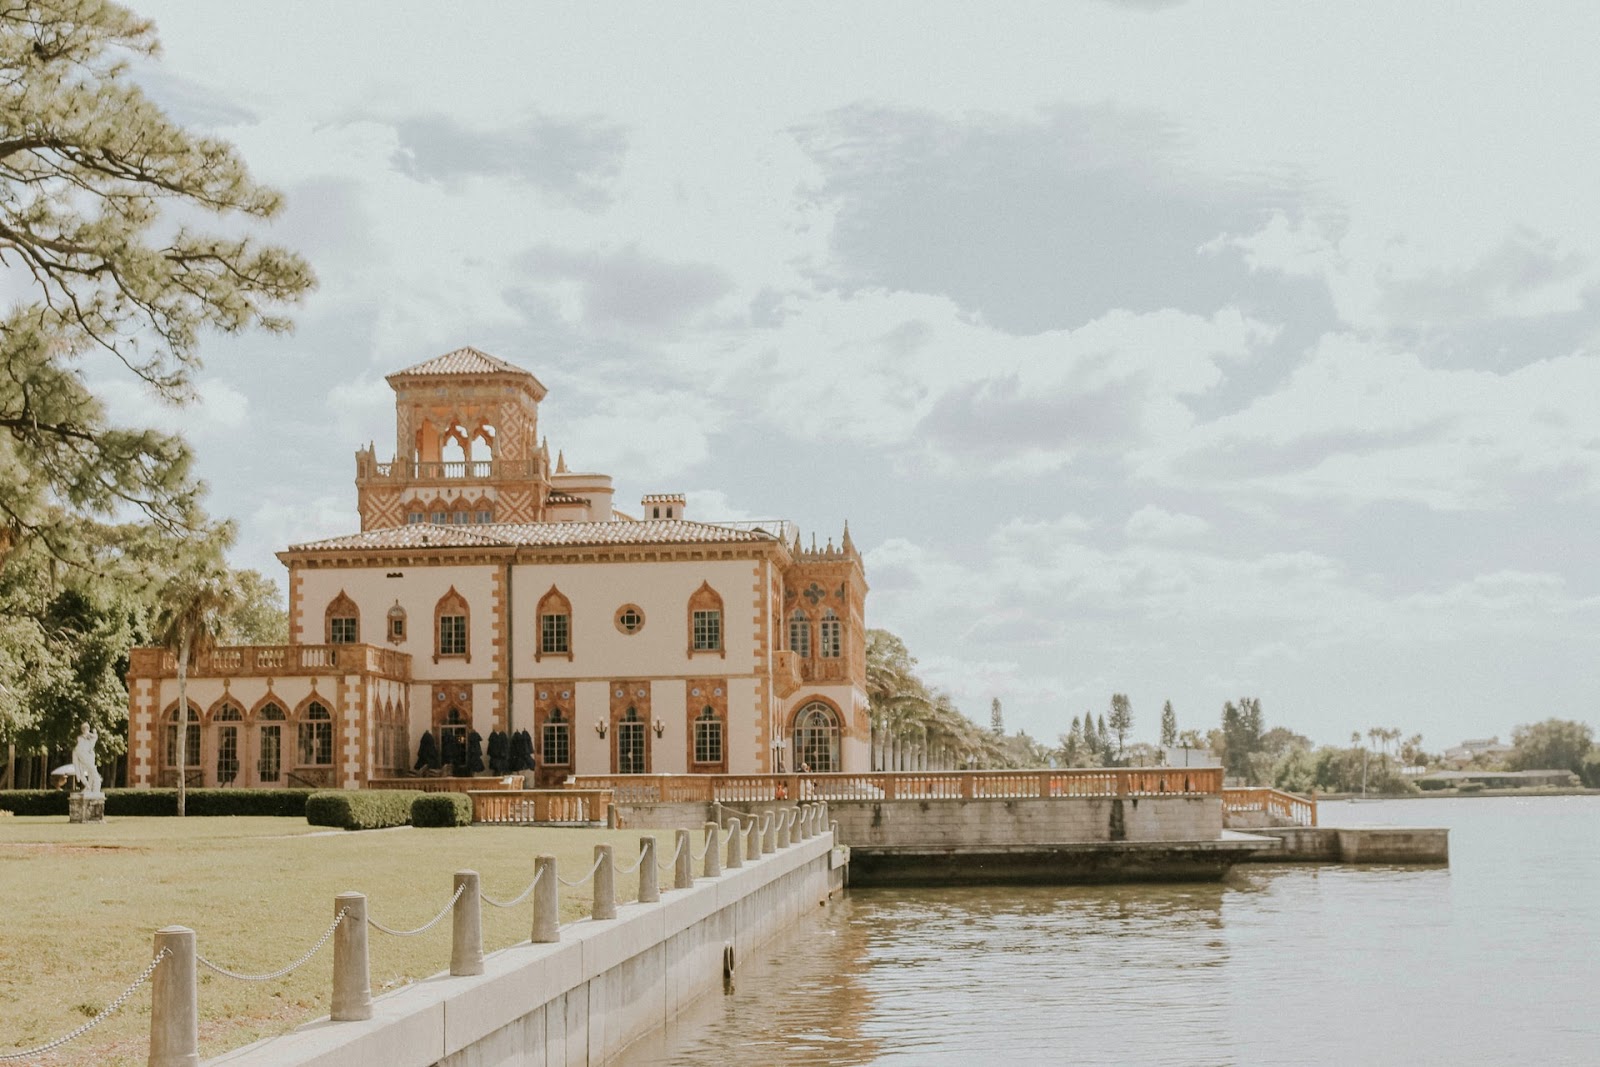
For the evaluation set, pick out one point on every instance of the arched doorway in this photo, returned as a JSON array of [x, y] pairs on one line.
[[816, 738], [269, 744]]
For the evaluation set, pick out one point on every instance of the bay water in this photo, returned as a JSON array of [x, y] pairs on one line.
[[1495, 959]]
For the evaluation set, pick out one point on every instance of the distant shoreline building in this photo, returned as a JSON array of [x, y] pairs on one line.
[[491, 589]]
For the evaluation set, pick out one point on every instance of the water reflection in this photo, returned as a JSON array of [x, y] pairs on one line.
[[1488, 961]]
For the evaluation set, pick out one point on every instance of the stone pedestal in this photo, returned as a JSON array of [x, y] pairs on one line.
[[84, 808]]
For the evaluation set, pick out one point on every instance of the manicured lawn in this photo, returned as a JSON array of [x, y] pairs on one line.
[[79, 905]]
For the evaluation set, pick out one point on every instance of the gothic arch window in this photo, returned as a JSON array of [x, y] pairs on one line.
[[451, 621], [342, 621], [482, 510], [831, 634], [315, 733], [800, 634], [438, 513], [555, 626], [191, 748], [397, 624], [227, 723], [816, 738], [705, 621]]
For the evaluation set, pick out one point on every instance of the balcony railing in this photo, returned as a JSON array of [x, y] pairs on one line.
[[456, 470], [245, 660], [929, 785]]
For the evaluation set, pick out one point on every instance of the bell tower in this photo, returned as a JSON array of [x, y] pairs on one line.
[[466, 446]]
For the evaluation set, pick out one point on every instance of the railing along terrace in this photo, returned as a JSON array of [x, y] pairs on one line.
[[446, 784], [1296, 809], [911, 785], [282, 660], [522, 806]]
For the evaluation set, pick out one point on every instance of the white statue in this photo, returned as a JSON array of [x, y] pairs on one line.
[[82, 766]]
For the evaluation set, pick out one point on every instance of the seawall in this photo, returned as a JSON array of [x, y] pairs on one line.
[[1366, 844], [583, 999]]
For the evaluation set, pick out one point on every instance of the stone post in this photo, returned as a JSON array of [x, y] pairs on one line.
[[175, 1001], [546, 902], [752, 844], [605, 884], [466, 927], [713, 850], [769, 831], [683, 873], [735, 844], [782, 828], [649, 883], [802, 823], [352, 981], [833, 828]]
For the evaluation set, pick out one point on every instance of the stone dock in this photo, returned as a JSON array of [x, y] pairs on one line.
[[1033, 827]]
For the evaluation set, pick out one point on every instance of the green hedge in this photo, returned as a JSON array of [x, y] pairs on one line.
[[34, 801], [361, 809], [442, 809], [289, 802]]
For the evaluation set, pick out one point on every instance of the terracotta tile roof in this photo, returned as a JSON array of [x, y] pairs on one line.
[[466, 360], [662, 498], [506, 535]]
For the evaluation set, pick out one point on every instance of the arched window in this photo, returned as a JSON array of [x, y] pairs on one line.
[[708, 736], [227, 721], [397, 624], [630, 743], [342, 621], [555, 625], [450, 627], [556, 743], [191, 748], [831, 632], [482, 509], [316, 736], [816, 738], [705, 621], [800, 634], [269, 760]]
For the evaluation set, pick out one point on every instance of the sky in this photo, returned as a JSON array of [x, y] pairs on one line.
[[1186, 350]]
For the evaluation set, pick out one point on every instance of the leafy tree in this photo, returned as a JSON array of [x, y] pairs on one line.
[[97, 190], [997, 723], [1121, 720], [257, 617], [474, 759], [1551, 744], [1169, 725], [193, 603]]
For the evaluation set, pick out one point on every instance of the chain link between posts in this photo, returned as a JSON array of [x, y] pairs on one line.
[[573, 885], [280, 972], [487, 899], [425, 927], [673, 860], [105, 1013], [630, 870]]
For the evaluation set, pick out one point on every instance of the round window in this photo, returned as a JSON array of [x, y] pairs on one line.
[[629, 619]]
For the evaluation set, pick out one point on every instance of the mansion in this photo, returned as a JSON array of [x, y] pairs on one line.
[[491, 589]]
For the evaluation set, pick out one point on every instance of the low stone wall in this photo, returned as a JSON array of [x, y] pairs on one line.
[[870, 824], [583, 999], [1368, 844]]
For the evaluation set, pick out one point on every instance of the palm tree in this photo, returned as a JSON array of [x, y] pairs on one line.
[[192, 603]]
